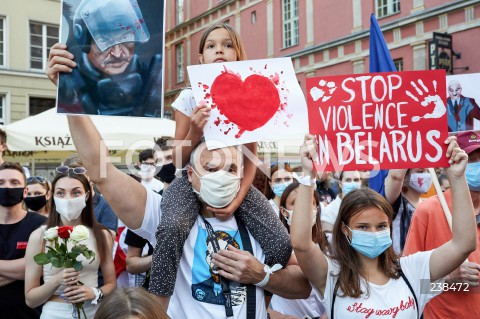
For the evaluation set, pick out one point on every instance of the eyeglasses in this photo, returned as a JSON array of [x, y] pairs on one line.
[[38, 179], [66, 169]]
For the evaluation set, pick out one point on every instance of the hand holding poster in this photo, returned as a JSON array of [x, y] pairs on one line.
[[379, 120], [251, 100]]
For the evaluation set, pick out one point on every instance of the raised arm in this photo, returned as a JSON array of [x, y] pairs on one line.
[[126, 197], [453, 253], [311, 259], [393, 184], [117, 188], [188, 133]]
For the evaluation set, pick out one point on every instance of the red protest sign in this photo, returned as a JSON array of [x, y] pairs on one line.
[[379, 120]]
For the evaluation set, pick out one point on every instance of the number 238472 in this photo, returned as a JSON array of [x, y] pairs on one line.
[[444, 286]]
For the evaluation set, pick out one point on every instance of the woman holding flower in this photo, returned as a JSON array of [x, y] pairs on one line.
[[68, 253]]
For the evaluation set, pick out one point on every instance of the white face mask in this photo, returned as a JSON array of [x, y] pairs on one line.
[[146, 168], [289, 218], [147, 171], [218, 189], [420, 182], [70, 208]]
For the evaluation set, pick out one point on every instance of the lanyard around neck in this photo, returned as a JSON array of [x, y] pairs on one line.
[[225, 283]]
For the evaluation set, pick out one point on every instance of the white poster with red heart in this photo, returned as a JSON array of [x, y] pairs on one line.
[[250, 101]]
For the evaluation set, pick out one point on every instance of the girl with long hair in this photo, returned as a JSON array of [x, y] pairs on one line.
[[300, 307], [280, 177], [365, 278], [72, 205]]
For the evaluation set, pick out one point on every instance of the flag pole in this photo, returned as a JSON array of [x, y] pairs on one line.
[[441, 197]]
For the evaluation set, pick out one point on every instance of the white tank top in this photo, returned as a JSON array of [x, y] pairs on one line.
[[89, 273]]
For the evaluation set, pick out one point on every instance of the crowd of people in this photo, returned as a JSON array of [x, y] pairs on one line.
[[191, 229]]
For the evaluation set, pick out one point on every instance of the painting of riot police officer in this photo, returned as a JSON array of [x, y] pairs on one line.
[[118, 47]]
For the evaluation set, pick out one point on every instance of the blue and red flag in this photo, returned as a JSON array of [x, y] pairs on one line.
[[380, 61]]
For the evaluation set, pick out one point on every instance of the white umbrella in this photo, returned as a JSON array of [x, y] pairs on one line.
[[48, 131]]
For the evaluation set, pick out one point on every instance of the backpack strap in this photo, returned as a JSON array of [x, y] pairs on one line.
[[251, 289], [335, 290], [400, 271]]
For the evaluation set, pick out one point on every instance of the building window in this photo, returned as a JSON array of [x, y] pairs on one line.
[[290, 23], [42, 37], [2, 41], [254, 17], [420, 57], [3, 106], [40, 104], [469, 14], [443, 20], [397, 35], [387, 7], [179, 8], [359, 67], [398, 64], [180, 64]]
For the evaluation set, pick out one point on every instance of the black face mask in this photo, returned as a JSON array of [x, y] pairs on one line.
[[11, 196], [35, 203], [167, 173]]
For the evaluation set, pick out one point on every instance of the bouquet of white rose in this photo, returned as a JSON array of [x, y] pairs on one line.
[[60, 257]]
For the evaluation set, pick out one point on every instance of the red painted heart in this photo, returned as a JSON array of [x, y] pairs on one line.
[[249, 104]]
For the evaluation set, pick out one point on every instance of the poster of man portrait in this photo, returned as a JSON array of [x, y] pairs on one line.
[[463, 100], [118, 46]]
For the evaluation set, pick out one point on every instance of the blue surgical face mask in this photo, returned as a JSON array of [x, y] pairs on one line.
[[279, 188], [473, 176], [347, 187], [370, 244]]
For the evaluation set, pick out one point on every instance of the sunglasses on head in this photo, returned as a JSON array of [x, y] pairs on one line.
[[38, 179], [66, 169]]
